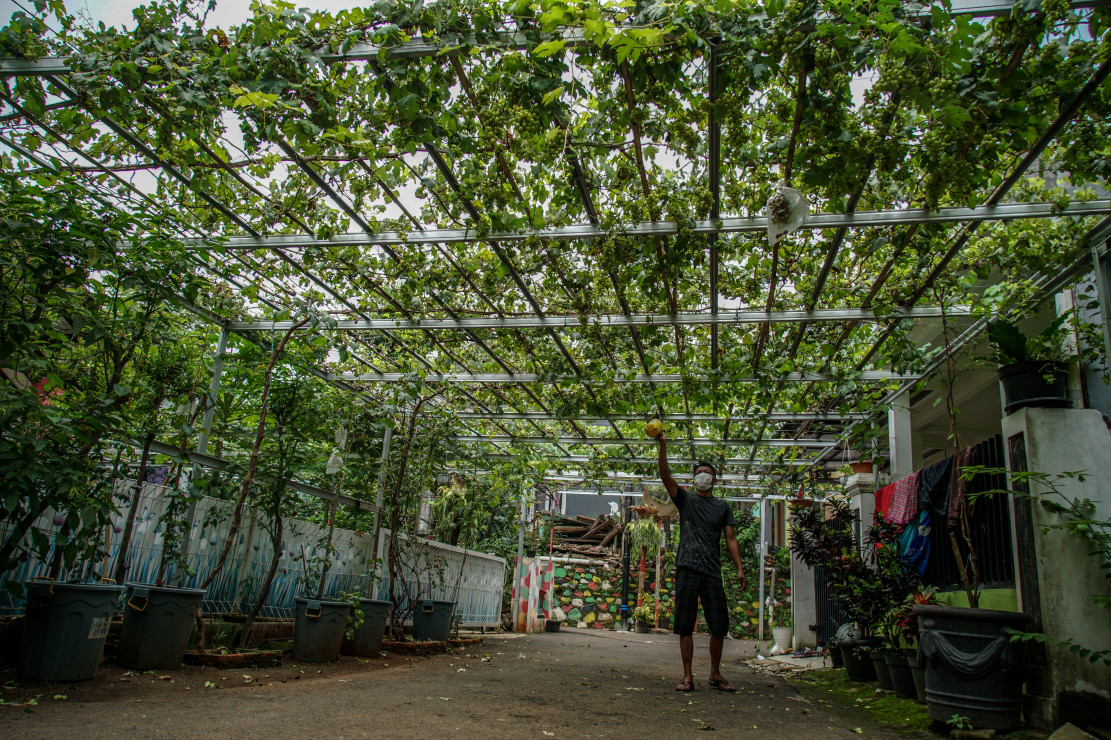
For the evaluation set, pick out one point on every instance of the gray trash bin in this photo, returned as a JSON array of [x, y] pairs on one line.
[[432, 620]]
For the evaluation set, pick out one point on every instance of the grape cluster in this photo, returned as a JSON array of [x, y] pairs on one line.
[[1055, 10], [894, 78], [779, 208], [503, 123]]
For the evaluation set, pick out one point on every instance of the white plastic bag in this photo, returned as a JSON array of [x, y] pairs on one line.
[[786, 210]]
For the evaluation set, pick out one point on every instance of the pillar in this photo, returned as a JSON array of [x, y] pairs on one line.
[[1058, 593]]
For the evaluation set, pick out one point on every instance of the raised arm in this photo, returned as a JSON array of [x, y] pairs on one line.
[[665, 469]]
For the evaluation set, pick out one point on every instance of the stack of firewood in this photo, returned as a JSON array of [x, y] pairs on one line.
[[585, 535]]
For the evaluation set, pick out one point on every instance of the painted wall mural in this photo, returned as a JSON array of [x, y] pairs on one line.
[[430, 569]]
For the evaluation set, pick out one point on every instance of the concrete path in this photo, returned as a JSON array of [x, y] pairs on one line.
[[572, 684]]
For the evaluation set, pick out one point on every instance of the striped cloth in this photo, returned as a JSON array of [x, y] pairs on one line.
[[904, 501]]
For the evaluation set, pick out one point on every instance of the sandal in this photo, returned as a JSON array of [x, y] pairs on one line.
[[685, 686], [722, 686]]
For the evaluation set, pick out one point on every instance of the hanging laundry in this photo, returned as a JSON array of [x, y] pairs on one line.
[[914, 544], [933, 486], [959, 489], [904, 501], [883, 500]]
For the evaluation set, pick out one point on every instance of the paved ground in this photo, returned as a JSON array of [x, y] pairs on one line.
[[570, 684]]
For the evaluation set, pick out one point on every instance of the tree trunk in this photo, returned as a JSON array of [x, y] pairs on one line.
[[275, 556], [237, 516], [328, 547], [7, 551], [125, 541]]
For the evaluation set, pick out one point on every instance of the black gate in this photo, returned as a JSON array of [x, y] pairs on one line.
[[830, 613], [989, 525]]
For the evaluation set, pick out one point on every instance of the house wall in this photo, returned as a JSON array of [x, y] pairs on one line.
[[1056, 441]]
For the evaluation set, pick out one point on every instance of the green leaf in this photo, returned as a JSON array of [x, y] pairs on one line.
[[256, 100], [552, 95], [547, 48]]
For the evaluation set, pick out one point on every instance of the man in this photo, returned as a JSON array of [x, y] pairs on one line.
[[702, 519]]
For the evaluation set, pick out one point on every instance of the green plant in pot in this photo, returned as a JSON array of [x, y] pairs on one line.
[[1034, 368], [645, 615], [158, 618], [969, 665], [866, 581]]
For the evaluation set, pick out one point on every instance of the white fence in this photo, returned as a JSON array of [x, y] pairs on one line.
[[428, 569]]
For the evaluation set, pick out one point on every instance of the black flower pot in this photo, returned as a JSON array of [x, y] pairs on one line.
[[919, 674], [902, 680], [971, 666], [883, 675], [835, 656], [1035, 385], [855, 655]]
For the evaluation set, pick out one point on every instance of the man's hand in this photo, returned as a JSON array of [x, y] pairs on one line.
[[662, 436], [742, 582]]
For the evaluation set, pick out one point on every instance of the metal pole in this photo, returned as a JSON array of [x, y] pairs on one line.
[[625, 564], [518, 571], [202, 444], [760, 569], [1103, 290], [213, 391], [376, 530]]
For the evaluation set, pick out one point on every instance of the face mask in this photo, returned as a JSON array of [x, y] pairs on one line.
[[703, 481]]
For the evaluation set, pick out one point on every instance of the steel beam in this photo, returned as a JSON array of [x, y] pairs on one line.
[[411, 48], [867, 376], [622, 320], [625, 477], [725, 225], [216, 463], [604, 441], [773, 416], [735, 461]]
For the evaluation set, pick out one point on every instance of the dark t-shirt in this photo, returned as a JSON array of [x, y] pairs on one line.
[[702, 519]]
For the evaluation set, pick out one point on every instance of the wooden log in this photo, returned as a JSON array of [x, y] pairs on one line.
[[611, 536], [597, 526]]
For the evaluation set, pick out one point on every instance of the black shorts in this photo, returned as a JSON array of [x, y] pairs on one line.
[[692, 585]]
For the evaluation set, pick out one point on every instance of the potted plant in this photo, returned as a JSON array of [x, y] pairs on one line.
[[1033, 369], [158, 618], [664, 620], [866, 581], [645, 616], [861, 465], [906, 624], [779, 617], [71, 331]]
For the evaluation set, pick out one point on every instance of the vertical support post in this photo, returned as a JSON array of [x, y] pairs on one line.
[[202, 444], [625, 563], [213, 391], [1063, 303], [518, 571], [714, 150], [377, 528], [760, 568], [900, 438], [1101, 264]]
